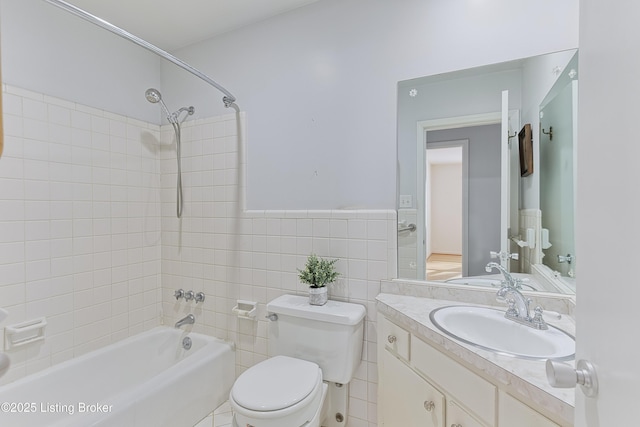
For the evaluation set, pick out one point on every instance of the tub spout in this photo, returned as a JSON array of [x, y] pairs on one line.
[[187, 320]]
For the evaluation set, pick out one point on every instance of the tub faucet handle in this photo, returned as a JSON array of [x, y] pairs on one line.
[[189, 295], [178, 294], [199, 297]]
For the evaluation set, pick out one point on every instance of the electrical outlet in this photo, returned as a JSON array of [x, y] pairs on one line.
[[406, 201]]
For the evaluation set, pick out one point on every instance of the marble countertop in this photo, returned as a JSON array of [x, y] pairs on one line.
[[523, 378]]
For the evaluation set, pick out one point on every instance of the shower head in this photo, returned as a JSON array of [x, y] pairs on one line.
[[153, 95]]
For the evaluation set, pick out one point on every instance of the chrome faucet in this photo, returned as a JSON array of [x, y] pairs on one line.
[[509, 280], [518, 309], [189, 319]]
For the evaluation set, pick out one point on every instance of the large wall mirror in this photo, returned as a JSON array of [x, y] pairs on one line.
[[486, 161]]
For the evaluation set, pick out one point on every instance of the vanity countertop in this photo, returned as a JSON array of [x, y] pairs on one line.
[[525, 378]]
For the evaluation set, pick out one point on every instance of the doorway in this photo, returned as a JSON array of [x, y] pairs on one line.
[[445, 209]]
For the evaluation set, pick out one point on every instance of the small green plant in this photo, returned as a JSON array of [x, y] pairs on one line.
[[318, 272]]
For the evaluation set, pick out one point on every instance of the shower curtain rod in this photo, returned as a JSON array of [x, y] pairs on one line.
[[228, 99]]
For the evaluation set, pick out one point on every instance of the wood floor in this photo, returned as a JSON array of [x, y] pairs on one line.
[[444, 267]]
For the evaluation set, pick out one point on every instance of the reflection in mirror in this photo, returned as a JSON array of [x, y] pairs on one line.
[[455, 210], [558, 137]]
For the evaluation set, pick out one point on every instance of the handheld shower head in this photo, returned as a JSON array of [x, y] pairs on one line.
[[153, 96]]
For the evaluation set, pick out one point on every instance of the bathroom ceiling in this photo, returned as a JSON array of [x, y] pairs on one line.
[[171, 24]]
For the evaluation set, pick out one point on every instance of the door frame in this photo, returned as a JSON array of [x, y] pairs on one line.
[[464, 144], [424, 126]]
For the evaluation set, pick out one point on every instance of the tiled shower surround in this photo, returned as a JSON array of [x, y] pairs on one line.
[[89, 236], [79, 226]]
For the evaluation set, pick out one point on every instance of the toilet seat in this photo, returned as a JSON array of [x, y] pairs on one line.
[[280, 391]]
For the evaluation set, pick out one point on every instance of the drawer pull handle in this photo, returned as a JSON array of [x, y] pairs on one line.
[[392, 339], [456, 425], [429, 405]]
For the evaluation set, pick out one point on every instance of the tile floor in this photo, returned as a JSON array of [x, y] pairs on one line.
[[221, 417]]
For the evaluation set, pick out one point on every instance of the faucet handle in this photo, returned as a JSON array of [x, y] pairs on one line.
[[512, 310], [178, 294], [199, 297], [189, 295], [537, 320], [504, 256]]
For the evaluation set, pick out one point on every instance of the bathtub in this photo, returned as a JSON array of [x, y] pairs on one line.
[[147, 380]]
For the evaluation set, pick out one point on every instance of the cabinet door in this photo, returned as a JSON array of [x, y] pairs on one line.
[[512, 412], [406, 399], [458, 417]]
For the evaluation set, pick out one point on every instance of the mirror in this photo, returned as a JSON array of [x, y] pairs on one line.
[[462, 193], [558, 138]]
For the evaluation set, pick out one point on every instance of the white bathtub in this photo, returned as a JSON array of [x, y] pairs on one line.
[[147, 380]]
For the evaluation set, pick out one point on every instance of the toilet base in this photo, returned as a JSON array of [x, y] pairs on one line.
[[337, 406]]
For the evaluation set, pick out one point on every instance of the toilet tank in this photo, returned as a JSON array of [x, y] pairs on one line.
[[330, 335]]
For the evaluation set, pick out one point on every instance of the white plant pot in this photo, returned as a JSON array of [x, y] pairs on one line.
[[318, 296]]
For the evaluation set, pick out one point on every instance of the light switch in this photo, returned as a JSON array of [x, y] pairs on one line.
[[406, 201]]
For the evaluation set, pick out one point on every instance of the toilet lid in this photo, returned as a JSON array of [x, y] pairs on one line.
[[276, 383]]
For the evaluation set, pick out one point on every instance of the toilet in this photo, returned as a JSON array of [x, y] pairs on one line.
[[314, 352]]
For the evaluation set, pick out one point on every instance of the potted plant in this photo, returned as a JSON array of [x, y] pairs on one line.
[[317, 273]]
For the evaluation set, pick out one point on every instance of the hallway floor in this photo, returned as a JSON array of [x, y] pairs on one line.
[[444, 267]]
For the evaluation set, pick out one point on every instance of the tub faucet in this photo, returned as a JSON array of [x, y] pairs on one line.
[[189, 319]]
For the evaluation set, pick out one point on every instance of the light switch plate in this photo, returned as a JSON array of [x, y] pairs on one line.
[[406, 201]]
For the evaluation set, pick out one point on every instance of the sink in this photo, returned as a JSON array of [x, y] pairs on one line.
[[488, 329]]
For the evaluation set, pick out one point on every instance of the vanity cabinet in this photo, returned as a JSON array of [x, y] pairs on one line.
[[407, 399], [409, 396], [419, 385], [512, 412]]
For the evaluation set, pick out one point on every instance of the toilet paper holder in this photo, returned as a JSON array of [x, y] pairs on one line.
[[246, 309]]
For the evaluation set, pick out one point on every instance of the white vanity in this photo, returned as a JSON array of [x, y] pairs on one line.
[[427, 378]]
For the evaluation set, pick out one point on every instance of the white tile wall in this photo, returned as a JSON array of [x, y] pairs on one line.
[[89, 236], [229, 253], [79, 226]]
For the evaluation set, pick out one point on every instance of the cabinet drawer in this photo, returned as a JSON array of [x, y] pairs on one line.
[[477, 394], [395, 338], [456, 416], [512, 412]]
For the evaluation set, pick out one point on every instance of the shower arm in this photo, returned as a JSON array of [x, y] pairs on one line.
[[228, 99]]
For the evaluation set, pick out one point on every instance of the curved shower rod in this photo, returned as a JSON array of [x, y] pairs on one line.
[[228, 99]]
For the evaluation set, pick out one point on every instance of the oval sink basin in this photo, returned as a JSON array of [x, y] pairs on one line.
[[488, 329]]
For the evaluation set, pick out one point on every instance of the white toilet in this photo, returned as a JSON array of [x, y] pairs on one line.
[[314, 351]]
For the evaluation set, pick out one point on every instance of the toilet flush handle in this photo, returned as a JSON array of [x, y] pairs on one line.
[[272, 316]]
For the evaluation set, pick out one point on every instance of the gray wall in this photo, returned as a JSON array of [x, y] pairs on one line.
[[319, 85], [484, 190], [47, 50], [451, 97]]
